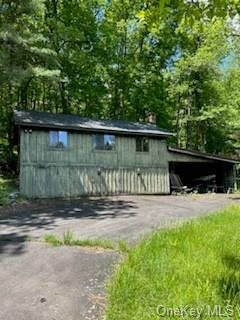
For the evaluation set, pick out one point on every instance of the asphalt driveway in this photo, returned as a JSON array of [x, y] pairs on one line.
[[41, 282], [124, 217], [38, 282]]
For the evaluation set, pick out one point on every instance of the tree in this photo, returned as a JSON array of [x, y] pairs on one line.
[[23, 57], [122, 59], [195, 89]]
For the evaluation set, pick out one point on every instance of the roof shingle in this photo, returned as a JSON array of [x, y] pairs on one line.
[[73, 122]]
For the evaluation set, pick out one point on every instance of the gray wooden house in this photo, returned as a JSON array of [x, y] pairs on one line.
[[62, 155], [69, 156]]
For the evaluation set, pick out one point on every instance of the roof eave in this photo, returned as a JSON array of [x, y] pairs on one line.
[[202, 155], [73, 128]]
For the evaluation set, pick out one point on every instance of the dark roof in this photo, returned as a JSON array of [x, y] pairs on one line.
[[72, 122], [201, 155]]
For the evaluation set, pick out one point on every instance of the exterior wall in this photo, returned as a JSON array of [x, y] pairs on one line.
[[48, 172]]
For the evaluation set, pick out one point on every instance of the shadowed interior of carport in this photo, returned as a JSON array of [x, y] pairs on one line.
[[191, 165]]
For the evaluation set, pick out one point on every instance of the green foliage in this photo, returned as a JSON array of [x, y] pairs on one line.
[[67, 238], [24, 57], [21, 40], [122, 59], [195, 264], [7, 186], [196, 86]]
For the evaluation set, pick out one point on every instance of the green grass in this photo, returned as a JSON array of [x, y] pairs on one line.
[[195, 264], [68, 240], [53, 240]]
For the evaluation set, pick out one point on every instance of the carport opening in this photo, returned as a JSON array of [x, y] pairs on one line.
[[191, 174]]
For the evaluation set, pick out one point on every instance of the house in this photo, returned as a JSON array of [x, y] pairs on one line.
[[69, 156], [63, 155]]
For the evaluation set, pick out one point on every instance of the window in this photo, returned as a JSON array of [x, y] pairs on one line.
[[104, 142], [142, 145], [58, 139]]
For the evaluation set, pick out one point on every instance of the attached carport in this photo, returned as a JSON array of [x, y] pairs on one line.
[[190, 165]]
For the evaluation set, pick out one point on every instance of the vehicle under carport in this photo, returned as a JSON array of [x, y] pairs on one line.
[[192, 167]]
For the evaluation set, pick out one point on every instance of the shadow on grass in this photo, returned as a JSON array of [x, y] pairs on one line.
[[230, 282], [232, 262]]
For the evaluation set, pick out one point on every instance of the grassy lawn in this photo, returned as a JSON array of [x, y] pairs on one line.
[[195, 265]]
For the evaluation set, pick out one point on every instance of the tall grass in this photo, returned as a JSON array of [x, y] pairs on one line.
[[196, 264]]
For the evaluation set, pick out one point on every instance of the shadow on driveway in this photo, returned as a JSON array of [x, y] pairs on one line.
[[45, 213], [12, 244]]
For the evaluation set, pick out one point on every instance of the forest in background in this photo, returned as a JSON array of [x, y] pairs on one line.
[[122, 59]]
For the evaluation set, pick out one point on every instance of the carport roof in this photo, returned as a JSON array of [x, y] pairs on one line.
[[73, 122], [201, 155]]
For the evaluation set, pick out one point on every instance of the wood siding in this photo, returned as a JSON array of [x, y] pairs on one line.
[[179, 157], [48, 172]]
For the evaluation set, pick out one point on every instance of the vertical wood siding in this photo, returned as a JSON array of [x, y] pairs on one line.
[[46, 172]]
